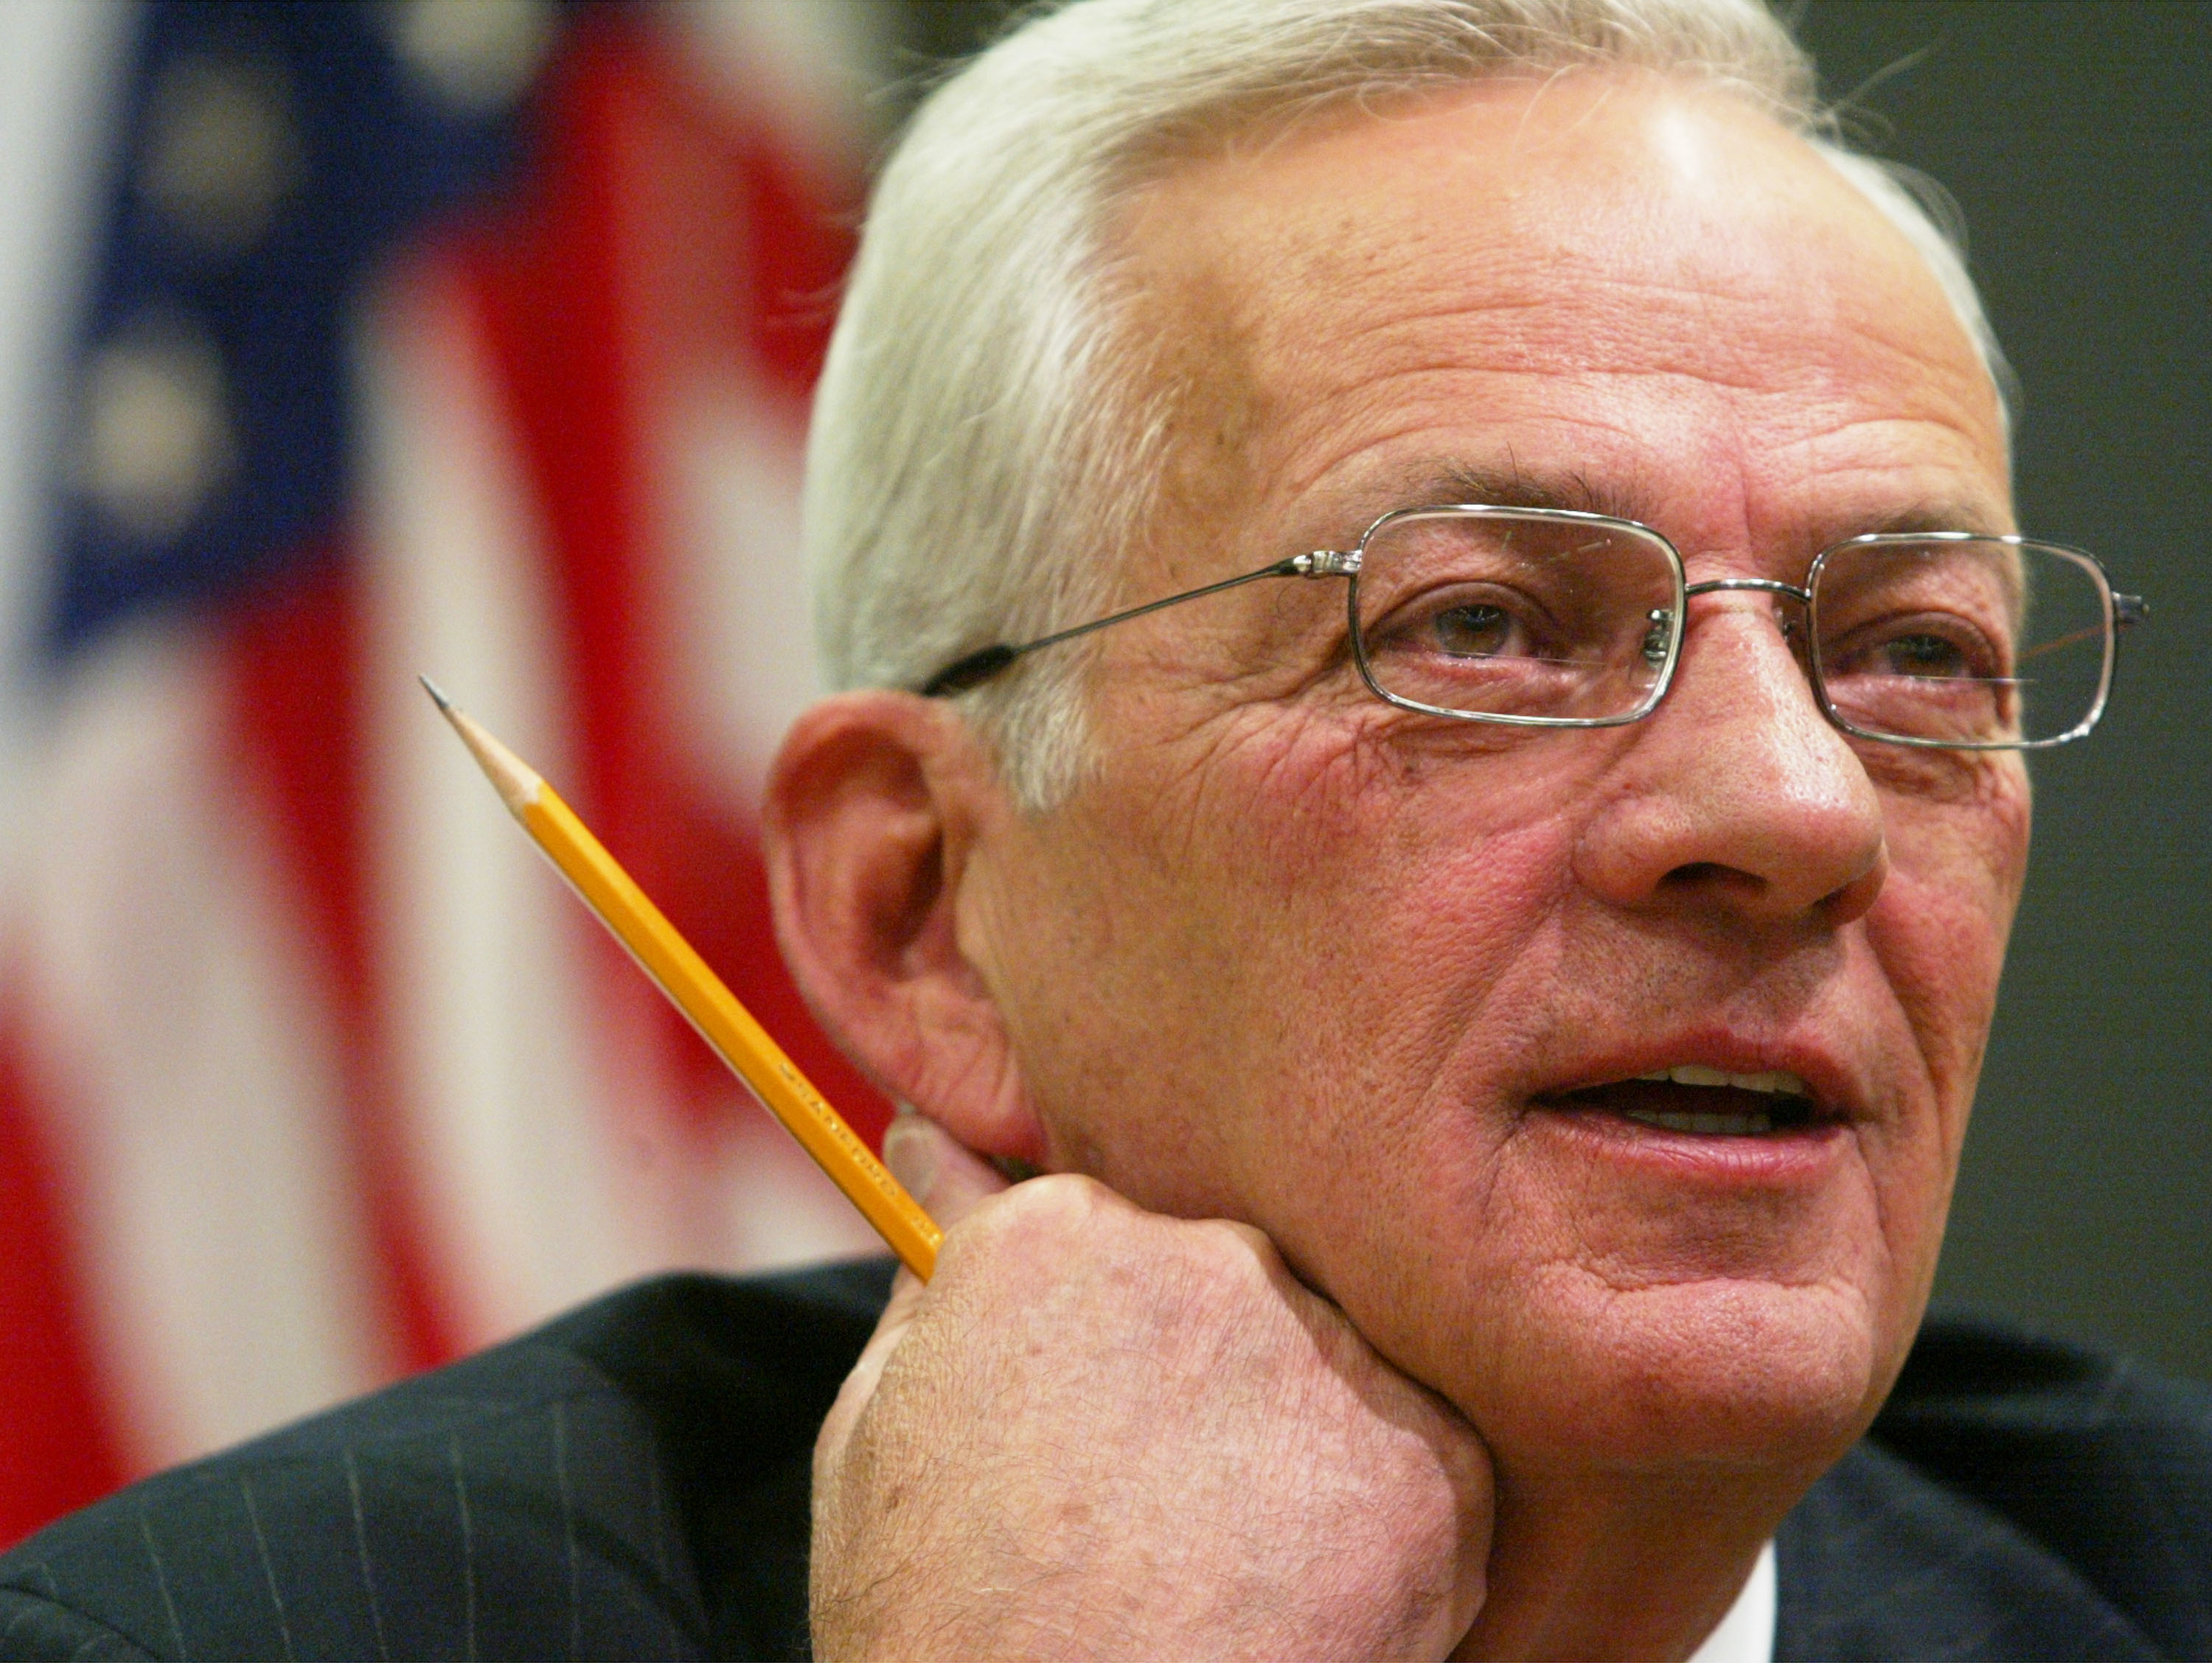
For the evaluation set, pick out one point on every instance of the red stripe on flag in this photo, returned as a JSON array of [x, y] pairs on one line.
[[292, 654], [576, 290], [58, 1447], [797, 245]]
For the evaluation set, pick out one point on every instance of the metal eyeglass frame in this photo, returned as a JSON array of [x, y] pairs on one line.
[[2121, 612]]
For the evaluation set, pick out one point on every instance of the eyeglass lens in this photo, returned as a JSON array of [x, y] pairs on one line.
[[1517, 614], [1973, 643]]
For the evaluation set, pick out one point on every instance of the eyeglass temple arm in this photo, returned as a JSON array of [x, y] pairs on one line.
[[2128, 610], [980, 666]]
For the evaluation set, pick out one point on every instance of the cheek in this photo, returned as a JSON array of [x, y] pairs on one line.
[[1298, 837], [1427, 905], [1394, 886], [1940, 926], [1321, 912], [1938, 937]]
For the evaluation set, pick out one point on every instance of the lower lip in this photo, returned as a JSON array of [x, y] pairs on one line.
[[1784, 1158]]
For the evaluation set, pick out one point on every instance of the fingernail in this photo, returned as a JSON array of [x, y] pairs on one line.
[[914, 1152]]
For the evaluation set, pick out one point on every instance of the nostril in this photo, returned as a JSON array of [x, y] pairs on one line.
[[1706, 874], [1709, 883]]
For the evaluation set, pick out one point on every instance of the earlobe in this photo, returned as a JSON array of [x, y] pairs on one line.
[[877, 811]]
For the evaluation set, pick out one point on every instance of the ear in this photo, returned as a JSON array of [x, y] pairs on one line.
[[880, 811]]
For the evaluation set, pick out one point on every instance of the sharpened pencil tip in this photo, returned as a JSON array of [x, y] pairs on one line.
[[518, 785]]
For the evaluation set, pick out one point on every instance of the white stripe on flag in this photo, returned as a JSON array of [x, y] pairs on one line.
[[482, 947], [61, 64]]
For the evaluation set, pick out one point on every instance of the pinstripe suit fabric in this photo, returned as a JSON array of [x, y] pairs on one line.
[[628, 1482], [632, 1482]]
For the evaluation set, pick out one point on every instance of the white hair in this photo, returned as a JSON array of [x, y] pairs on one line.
[[984, 444]]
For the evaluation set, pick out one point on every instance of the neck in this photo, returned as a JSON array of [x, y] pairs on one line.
[[1629, 1566]]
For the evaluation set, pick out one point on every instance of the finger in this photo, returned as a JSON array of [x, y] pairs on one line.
[[860, 1386], [949, 1181], [946, 1177]]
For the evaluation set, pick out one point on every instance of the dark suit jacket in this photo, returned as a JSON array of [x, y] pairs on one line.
[[632, 1482]]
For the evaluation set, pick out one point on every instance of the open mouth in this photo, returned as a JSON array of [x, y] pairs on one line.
[[1701, 1101]]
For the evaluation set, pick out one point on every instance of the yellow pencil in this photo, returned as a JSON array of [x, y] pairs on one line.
[[678, 971]]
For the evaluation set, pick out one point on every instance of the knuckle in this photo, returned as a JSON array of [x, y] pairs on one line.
[[1058, 1194], [1035, 1215], [1235, 1260], [1243, 1247]]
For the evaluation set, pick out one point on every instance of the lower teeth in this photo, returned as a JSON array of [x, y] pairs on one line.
[[1711, 1126]]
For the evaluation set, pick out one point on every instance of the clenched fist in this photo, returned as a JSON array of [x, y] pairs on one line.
[[1099, 1433]]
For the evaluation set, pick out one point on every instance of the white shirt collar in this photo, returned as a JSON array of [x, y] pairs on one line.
[[1747, 1633]]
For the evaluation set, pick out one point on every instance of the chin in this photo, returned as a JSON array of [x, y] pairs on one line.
[[1726, 1373]]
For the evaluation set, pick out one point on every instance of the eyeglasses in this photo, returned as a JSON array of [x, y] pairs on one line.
[[1550, 617]]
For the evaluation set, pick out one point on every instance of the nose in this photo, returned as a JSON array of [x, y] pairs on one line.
[[1737, 795]]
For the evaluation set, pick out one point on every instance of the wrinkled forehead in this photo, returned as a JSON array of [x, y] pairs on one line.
[[1453, 261]]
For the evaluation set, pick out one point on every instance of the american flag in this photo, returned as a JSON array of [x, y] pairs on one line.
[[462, 338]]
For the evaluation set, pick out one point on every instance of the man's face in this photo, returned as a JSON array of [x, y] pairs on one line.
[[1356, 975]]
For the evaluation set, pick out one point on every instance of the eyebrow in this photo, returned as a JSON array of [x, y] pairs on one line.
[[1940, 517], [1572, 490], [1510, 488]]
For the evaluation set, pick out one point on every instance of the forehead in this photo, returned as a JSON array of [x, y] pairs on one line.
[[1649, 290]]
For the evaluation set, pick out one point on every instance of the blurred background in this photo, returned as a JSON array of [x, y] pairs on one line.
[[475, 336]]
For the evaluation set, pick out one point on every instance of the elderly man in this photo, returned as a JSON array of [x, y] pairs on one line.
[[1440, 667]]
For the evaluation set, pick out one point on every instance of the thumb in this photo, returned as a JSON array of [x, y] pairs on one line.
[[950, 1180], [945, 1176]]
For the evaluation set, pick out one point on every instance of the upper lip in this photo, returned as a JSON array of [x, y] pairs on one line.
[[1834, 1089]]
